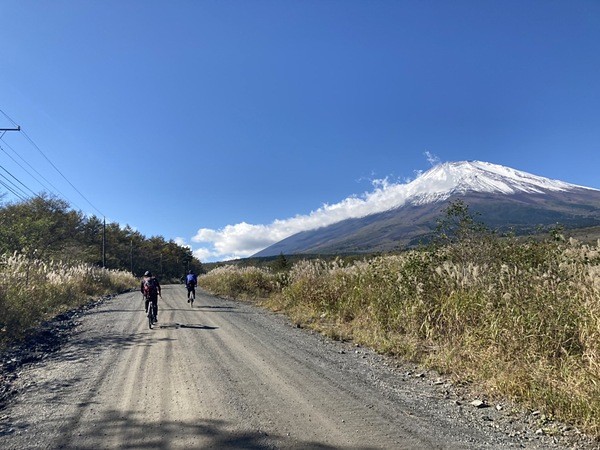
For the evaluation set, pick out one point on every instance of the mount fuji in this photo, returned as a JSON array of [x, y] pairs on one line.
[[504, 198]]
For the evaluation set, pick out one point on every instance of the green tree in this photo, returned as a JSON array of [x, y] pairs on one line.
[[458, 224], [41, 227], [47, 228], [464, 237], [280, 264]]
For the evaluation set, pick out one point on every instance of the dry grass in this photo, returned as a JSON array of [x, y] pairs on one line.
[[32, 291], [240, 282], [522, 320]]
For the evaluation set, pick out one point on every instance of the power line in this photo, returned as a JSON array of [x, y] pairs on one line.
[[8, 188], [61, 174], [9, 119], [21, 194], [14, 188], [56, 191], [18, 181], [50, 162]]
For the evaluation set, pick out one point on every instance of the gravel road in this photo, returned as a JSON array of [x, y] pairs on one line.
[[226, 374]]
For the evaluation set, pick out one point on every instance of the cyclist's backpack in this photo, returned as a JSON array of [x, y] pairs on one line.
[[150, 287], [191, 280]]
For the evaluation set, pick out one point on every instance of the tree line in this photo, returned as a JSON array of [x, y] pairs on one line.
[[47, 228]]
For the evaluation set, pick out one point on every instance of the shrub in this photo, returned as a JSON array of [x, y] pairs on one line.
[[234, 282]]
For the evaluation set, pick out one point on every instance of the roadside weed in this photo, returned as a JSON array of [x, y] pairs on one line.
[[519, 318]]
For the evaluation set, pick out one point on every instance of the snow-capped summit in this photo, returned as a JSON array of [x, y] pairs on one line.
[[447, 179], [406, 214]]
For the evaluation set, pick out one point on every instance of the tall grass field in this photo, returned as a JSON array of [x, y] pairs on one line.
[[520, 319], [32, 291]]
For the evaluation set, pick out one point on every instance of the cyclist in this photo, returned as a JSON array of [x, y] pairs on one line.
[[191, 281], [150, 288]]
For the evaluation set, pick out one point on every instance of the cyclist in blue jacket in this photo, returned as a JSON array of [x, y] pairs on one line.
[[191, 281]]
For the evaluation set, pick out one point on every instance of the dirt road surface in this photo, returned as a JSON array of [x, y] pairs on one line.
[[226, 374]]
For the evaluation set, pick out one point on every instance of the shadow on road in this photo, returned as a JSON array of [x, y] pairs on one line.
[[111, 311], [216, 307], [81, 349], [176, 326], [123, 429], [204, 309]]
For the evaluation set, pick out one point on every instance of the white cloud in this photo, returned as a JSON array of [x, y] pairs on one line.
[[431, 158], [205, 254], [182, 242], [243, 239]]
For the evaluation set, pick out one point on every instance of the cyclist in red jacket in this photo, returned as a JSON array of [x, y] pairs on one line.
[[150, 288]]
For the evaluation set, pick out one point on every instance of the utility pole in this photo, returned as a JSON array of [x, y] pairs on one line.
[[104, 244], [4, 130], [11, 129], [131, 256]]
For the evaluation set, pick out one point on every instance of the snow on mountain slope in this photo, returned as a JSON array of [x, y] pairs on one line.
[[396, 215], [450, 178], [438, 184]]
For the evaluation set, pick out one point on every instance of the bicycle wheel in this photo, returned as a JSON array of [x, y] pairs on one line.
[[150, 314]]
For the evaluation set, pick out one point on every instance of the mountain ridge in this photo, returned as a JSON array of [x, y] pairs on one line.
[[505, 198], [449, 178]]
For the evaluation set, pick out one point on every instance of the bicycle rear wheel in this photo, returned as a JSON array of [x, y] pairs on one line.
[[150, 315]]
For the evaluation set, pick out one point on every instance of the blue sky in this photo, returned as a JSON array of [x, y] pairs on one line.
[[228, 125]]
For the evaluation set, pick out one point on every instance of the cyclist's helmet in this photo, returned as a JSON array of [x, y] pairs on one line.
[[147, 273]]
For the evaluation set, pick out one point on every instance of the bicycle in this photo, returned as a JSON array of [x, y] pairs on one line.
[[191, 296], [151, 314]]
